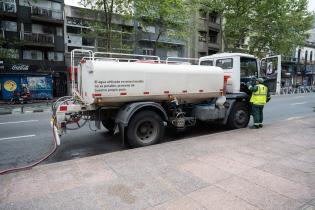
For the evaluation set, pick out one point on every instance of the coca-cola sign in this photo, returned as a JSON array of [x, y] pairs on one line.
[[20, 67]]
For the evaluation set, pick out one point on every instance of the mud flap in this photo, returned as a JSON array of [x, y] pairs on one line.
[[56, 135]]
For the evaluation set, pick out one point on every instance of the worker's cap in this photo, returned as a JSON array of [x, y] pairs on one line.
[[260, 80]]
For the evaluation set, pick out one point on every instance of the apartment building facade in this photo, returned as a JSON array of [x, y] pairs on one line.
[[207, 36], [32, 37]]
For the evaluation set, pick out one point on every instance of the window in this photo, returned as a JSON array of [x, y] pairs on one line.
[[59, 31], [88, 41], [127, 29], [202, 14], [9, 26], [213, 37], [73, 30], [56, 6], [201, 54], [8, 5], [147, 52], [299, 55], [206, 63], [172, 53], [149, 29], [202, 36], [42, 29], [248, 67], [213, 18], [74, 21], [55, 56], [225, 63], [32, 55]]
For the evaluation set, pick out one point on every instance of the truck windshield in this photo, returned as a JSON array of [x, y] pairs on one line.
[[248, 67], [226, 63]]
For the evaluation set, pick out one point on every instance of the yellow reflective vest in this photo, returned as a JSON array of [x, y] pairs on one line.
[[259, 97]]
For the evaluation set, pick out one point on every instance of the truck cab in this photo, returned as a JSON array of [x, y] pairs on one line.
[[237, 67]]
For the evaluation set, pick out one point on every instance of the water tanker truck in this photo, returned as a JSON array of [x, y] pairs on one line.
[[138, 96]]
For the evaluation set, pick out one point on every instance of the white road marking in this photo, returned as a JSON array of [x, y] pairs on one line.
[[300, 103], [17, 137], [16, 122], [299, 97], [294, 118]]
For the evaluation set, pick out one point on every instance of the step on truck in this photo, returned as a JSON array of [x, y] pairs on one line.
[[138, 96]]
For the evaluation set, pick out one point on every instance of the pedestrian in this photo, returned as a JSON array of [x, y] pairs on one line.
[[260, 96]]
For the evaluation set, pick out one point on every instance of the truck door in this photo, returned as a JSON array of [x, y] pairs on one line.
[[248, 70], [270, 70]]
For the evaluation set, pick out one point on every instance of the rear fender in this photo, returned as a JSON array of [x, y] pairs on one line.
[[125, 114]]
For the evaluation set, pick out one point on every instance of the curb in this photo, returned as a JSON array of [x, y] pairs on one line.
[[5, 112], [38, 110]]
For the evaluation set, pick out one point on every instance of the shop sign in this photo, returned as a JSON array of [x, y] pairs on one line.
[[10, 85], [20, 67]]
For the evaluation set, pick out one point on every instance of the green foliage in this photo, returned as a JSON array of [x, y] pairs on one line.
[[101, 13], [169, 17], [9, 49], [276, 26]]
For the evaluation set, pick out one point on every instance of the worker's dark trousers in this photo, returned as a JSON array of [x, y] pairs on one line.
[[257, 112]]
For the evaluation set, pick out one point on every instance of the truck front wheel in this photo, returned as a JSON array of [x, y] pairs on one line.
[[239, 116], [145, 128]]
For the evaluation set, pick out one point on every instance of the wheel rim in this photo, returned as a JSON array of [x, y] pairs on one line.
[[146, 131], [240, 117]]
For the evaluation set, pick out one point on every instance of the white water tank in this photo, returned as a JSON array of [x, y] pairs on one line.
[[119, 82]]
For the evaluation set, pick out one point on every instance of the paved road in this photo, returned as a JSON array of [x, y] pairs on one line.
[[26, 137]]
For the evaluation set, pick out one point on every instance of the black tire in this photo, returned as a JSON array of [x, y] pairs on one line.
[[109, 124], [239, 116], [145, 128]]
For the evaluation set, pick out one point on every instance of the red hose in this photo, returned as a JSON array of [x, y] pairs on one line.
[[35, 163]]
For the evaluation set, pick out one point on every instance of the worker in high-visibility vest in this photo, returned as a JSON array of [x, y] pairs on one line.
[[260, 96]]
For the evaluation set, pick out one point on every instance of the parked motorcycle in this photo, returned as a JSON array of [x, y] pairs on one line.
[[19, 98]]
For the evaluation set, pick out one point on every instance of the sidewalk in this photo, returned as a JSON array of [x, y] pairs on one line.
[[35, 106], [269, 168]]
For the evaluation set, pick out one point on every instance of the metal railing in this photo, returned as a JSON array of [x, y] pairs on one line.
[[7, 7], [47, 13], [298, 90], [38, 38]]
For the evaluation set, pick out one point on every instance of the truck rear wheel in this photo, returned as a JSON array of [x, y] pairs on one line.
[[239, 116], [145, 128], [109, 124]]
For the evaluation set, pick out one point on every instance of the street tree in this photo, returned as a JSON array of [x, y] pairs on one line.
[[275, 26], [102, 12], [168, 17]]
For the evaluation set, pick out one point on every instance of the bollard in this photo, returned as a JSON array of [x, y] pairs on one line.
[[22, 109]]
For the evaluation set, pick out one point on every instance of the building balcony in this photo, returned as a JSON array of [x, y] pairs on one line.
[[8, 8], [151, 37], [47, 15], [202, 46], [36, 39], [214, 45], [213, 25]]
